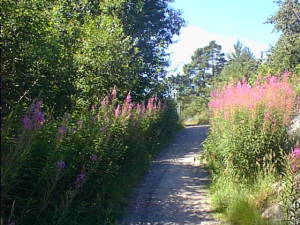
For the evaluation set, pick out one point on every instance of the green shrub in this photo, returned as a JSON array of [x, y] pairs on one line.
[[78, 169], [249, 127]]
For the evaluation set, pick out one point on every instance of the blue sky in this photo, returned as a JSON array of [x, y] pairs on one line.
[[225, 21]]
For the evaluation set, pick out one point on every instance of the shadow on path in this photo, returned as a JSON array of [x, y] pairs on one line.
[[174, 191]]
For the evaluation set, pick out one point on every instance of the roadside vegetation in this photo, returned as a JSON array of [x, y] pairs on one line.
[[253, 147], [252, 105], [84, 105], [78, 169], [254, 162]]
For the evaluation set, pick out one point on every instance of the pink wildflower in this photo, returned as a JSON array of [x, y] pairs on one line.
[[150, 104], [128, 99], [104, 102], [113, 93], [296, 153], [295, 160], [275, 94], [117, 111]]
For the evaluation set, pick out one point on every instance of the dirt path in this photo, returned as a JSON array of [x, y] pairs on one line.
[[174, 190]]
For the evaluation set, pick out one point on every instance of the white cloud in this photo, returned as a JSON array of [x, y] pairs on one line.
[[193, 37]]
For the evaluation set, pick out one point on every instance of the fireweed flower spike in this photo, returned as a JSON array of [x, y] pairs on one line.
[[295, 160], [128, 99], [80, 179], [39, 118], [27, 124], [104, 102], [93, 157], [117, 111], [150, 104], [62, 130], [61, 164], [36, 106], [113, 93]]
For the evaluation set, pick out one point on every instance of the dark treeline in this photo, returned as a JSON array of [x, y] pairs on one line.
[[68, 51]]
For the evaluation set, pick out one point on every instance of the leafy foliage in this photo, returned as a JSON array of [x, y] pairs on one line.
[[241, 64], [79, 168], [249, 126], [286, 53], [193, 86], [66, 52]]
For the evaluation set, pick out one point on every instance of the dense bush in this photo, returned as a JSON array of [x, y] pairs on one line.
[[78, 169], [249, 126], [65, 51], [248, 150]]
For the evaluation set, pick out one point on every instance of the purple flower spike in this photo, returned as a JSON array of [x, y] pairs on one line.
[[80, 179], [35, 107], [39, 117], [61, 164], [93, 157], [27, 124], [62, 130]]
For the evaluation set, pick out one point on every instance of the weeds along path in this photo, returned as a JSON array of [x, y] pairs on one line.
[[174, 191]]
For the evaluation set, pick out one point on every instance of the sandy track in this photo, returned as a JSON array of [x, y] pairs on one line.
[[174, 190]]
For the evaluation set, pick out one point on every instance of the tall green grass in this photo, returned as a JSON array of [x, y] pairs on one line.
[[78, 169]]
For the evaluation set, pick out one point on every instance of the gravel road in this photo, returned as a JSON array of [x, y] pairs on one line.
[[174, 191]]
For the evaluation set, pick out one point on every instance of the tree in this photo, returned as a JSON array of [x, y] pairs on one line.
[[285, 55], [241, 64], [193, 86], [36, 59], [66, 52], [206, 64], [132, 41]]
